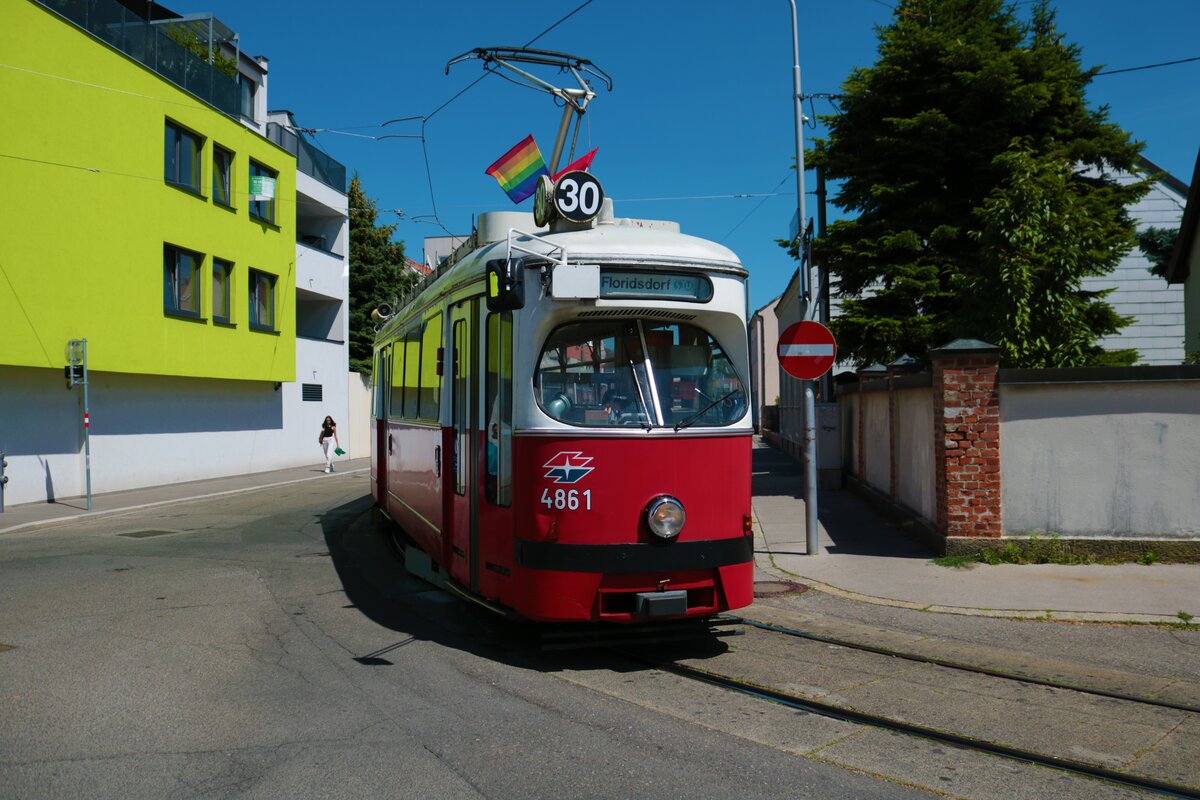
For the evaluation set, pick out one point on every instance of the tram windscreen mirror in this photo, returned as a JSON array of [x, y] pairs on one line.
[[505, 285]]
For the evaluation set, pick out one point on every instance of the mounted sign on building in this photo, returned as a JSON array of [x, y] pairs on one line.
[[262, 187]]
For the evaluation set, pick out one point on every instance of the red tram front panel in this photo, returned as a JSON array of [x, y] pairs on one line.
[[583, 550]]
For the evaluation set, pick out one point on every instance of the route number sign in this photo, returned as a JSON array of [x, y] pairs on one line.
[[578, 196]]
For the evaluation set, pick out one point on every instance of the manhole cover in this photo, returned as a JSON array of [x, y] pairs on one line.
[[777, 588], [145, 534]]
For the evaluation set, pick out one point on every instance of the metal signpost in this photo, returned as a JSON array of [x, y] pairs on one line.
[[3, 479], [77, 375], [807, 351]]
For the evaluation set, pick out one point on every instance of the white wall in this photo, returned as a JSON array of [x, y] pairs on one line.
[[145, 430], [149, 430], [1101, 459], [877, 441], [764, 359], [358, 442], [322, 363], [915, 479]]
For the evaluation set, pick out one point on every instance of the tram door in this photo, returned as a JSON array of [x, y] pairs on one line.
[[383, 384], [464, 420]]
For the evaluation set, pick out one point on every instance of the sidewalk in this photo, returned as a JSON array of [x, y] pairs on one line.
[[864, 557], [28, 516]]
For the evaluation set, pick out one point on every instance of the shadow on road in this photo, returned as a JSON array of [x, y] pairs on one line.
[[377, 584]]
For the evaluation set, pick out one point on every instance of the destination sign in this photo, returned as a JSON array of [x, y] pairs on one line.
[[661, 285]]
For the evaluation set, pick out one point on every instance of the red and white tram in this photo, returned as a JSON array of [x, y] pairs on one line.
[[561, 422]]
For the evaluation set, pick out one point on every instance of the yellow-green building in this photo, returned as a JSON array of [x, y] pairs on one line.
[[159, 223]]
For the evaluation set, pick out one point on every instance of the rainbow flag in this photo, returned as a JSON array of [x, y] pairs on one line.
[[518, 169]]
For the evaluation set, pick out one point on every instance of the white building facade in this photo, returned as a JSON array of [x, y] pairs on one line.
[[322, 295]]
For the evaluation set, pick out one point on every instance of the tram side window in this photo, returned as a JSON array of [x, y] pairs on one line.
[[396, 401], [412, 371], [378, 388], [498, 400], [431, 383]]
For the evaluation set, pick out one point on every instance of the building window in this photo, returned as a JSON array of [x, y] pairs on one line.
[[262, 301], [247, 88], [221, 283], [182, 157], [181, 290], [311, 392], [262, 192], [222, 176]]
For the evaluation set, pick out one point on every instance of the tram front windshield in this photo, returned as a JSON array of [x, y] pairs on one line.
[[638, 373]]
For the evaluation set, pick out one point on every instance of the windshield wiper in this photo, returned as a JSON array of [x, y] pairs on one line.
[[701, 412]]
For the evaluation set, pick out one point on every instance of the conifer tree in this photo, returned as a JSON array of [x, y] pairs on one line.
[[982, 190], [377, 272]]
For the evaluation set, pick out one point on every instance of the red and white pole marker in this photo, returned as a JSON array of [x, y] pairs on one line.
[[86, 423]]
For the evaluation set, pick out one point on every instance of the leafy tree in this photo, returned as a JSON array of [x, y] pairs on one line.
[[1157, 244], [983, 188], [378, 273]]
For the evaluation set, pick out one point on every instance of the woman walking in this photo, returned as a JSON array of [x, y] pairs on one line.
[[329, 441]]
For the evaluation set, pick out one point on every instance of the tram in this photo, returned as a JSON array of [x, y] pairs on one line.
[[561, 422]]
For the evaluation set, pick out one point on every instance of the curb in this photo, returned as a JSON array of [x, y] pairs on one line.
[[762, 560], [50, 523]]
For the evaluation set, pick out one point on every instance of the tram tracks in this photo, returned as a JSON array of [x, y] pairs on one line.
[[1113, 729], [964, 667]]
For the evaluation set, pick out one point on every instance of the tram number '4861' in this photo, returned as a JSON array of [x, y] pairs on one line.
[[567, 499]]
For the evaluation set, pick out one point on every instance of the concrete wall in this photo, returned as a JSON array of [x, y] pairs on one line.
[[358, 442], [877, 441], [322, 363], [764, 359], [1113, 460], [148, 429], [145, 430], [915, 478]]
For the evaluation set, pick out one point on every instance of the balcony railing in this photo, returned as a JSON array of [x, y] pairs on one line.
[[111, 22], [309, 159]]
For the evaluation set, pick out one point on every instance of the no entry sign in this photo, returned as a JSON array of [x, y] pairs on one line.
[[807, 350]]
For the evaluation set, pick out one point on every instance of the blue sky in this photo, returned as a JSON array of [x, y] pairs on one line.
[[701, 105]]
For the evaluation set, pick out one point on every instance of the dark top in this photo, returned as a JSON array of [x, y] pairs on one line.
[[327, 430]]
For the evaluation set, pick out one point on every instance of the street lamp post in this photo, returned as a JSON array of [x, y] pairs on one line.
[[798, 106], [810, 430]]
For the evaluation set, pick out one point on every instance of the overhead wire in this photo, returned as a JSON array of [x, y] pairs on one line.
[[1149, 66], [436, 219], [766, 196]]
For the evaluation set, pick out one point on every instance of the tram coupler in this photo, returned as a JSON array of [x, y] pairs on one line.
[[661, 604]]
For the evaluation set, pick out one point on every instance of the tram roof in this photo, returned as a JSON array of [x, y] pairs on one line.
[[608, 240]]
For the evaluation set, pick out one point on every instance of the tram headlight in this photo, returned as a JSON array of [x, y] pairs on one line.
[[665, 516]]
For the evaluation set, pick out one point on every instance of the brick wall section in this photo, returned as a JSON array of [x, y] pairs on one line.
[[966, 408]]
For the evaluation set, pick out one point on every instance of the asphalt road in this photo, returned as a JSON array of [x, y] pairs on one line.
[[269, 645]]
